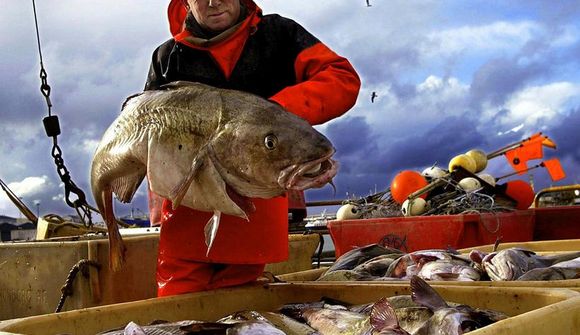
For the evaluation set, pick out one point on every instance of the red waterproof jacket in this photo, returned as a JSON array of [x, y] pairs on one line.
[[270, 56]]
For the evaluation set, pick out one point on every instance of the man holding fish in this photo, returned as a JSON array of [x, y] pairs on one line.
[[230, 44]]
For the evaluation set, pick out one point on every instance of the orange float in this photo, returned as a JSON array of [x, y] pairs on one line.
[[405, 183], [521, 192]]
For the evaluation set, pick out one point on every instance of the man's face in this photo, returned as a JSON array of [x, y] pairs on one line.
[[215, 15]]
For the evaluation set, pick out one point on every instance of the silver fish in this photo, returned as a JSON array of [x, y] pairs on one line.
[[286, 324], [360, 255], [449, 271], [410, 264], [254, 327], [377, 266], [208, 149], [381, 320], [344, 275], [559, 271], [413, 318], [233, 327], [511, 264], [550, 273], [158, 328], [447, 319]]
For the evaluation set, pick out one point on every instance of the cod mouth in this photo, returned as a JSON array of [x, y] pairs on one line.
[[311, 174]]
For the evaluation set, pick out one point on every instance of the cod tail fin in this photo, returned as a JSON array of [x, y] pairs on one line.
[[117, 248]]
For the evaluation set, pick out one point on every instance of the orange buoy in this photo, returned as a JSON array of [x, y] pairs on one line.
[[521, 192], [405, 183]]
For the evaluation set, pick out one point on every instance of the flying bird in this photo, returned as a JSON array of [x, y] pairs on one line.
[[373, 96]]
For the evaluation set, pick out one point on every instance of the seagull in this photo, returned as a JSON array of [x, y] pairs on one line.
[[368, 4], [373, 96]]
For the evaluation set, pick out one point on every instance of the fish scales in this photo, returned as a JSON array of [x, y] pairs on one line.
[[208, 149]]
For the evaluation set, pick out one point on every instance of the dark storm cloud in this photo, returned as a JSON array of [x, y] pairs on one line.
[[438, 144], [386, 65], [567, 136], [499, 78], [352, 138]]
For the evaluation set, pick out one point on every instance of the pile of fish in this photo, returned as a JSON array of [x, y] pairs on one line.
[[377, 263], [422, 312]]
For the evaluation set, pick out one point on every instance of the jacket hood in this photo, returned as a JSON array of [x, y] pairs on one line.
[[177, 12]]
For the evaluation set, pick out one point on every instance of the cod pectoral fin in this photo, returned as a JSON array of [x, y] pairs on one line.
[[126, 186], [176, 195]]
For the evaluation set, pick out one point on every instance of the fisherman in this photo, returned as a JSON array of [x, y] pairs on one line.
[[231, 44]]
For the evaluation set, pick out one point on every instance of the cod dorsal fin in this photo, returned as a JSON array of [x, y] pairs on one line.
[[179, 84], [425, 295]]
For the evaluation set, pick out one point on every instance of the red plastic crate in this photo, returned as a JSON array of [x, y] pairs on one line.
[[433, 232], [557, 223]]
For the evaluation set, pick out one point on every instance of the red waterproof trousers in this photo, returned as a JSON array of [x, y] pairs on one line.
[[179, 276]]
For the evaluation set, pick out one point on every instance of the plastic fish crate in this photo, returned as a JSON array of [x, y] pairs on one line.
[[34, 272], [314, 274], [542, 247], [432, 232], [301, 248], [557, 223], [532, 311], [536, 246]]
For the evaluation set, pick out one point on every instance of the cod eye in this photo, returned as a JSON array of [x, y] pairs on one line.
[[271, 141]]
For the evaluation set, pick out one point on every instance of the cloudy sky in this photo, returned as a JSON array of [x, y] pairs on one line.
[[450, 76]]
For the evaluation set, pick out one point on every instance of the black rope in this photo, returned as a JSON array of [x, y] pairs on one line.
[[52, 127], [67, 288]]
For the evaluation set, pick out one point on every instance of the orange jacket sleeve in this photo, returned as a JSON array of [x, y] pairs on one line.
[[327, 86]]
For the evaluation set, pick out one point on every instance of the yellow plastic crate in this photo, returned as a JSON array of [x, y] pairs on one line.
[[313, 275], [34, 272], [538, 246], [533, 311], [301, 248]]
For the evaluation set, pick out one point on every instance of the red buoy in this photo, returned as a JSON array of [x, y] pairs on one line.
[[521, 192], [405, 183]]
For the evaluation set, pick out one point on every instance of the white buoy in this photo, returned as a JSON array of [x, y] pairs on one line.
[[469, 184], [487, 178], [348, 212], [433, 172], [413, 207]]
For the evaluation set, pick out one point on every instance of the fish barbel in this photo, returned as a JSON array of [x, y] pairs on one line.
[[208, 149]]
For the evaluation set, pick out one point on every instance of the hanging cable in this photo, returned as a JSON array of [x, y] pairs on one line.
[[52, 128]]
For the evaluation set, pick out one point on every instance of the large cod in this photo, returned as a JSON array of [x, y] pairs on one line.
[[208, 149]]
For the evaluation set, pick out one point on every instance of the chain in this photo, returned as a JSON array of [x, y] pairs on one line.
[[52, 127]]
